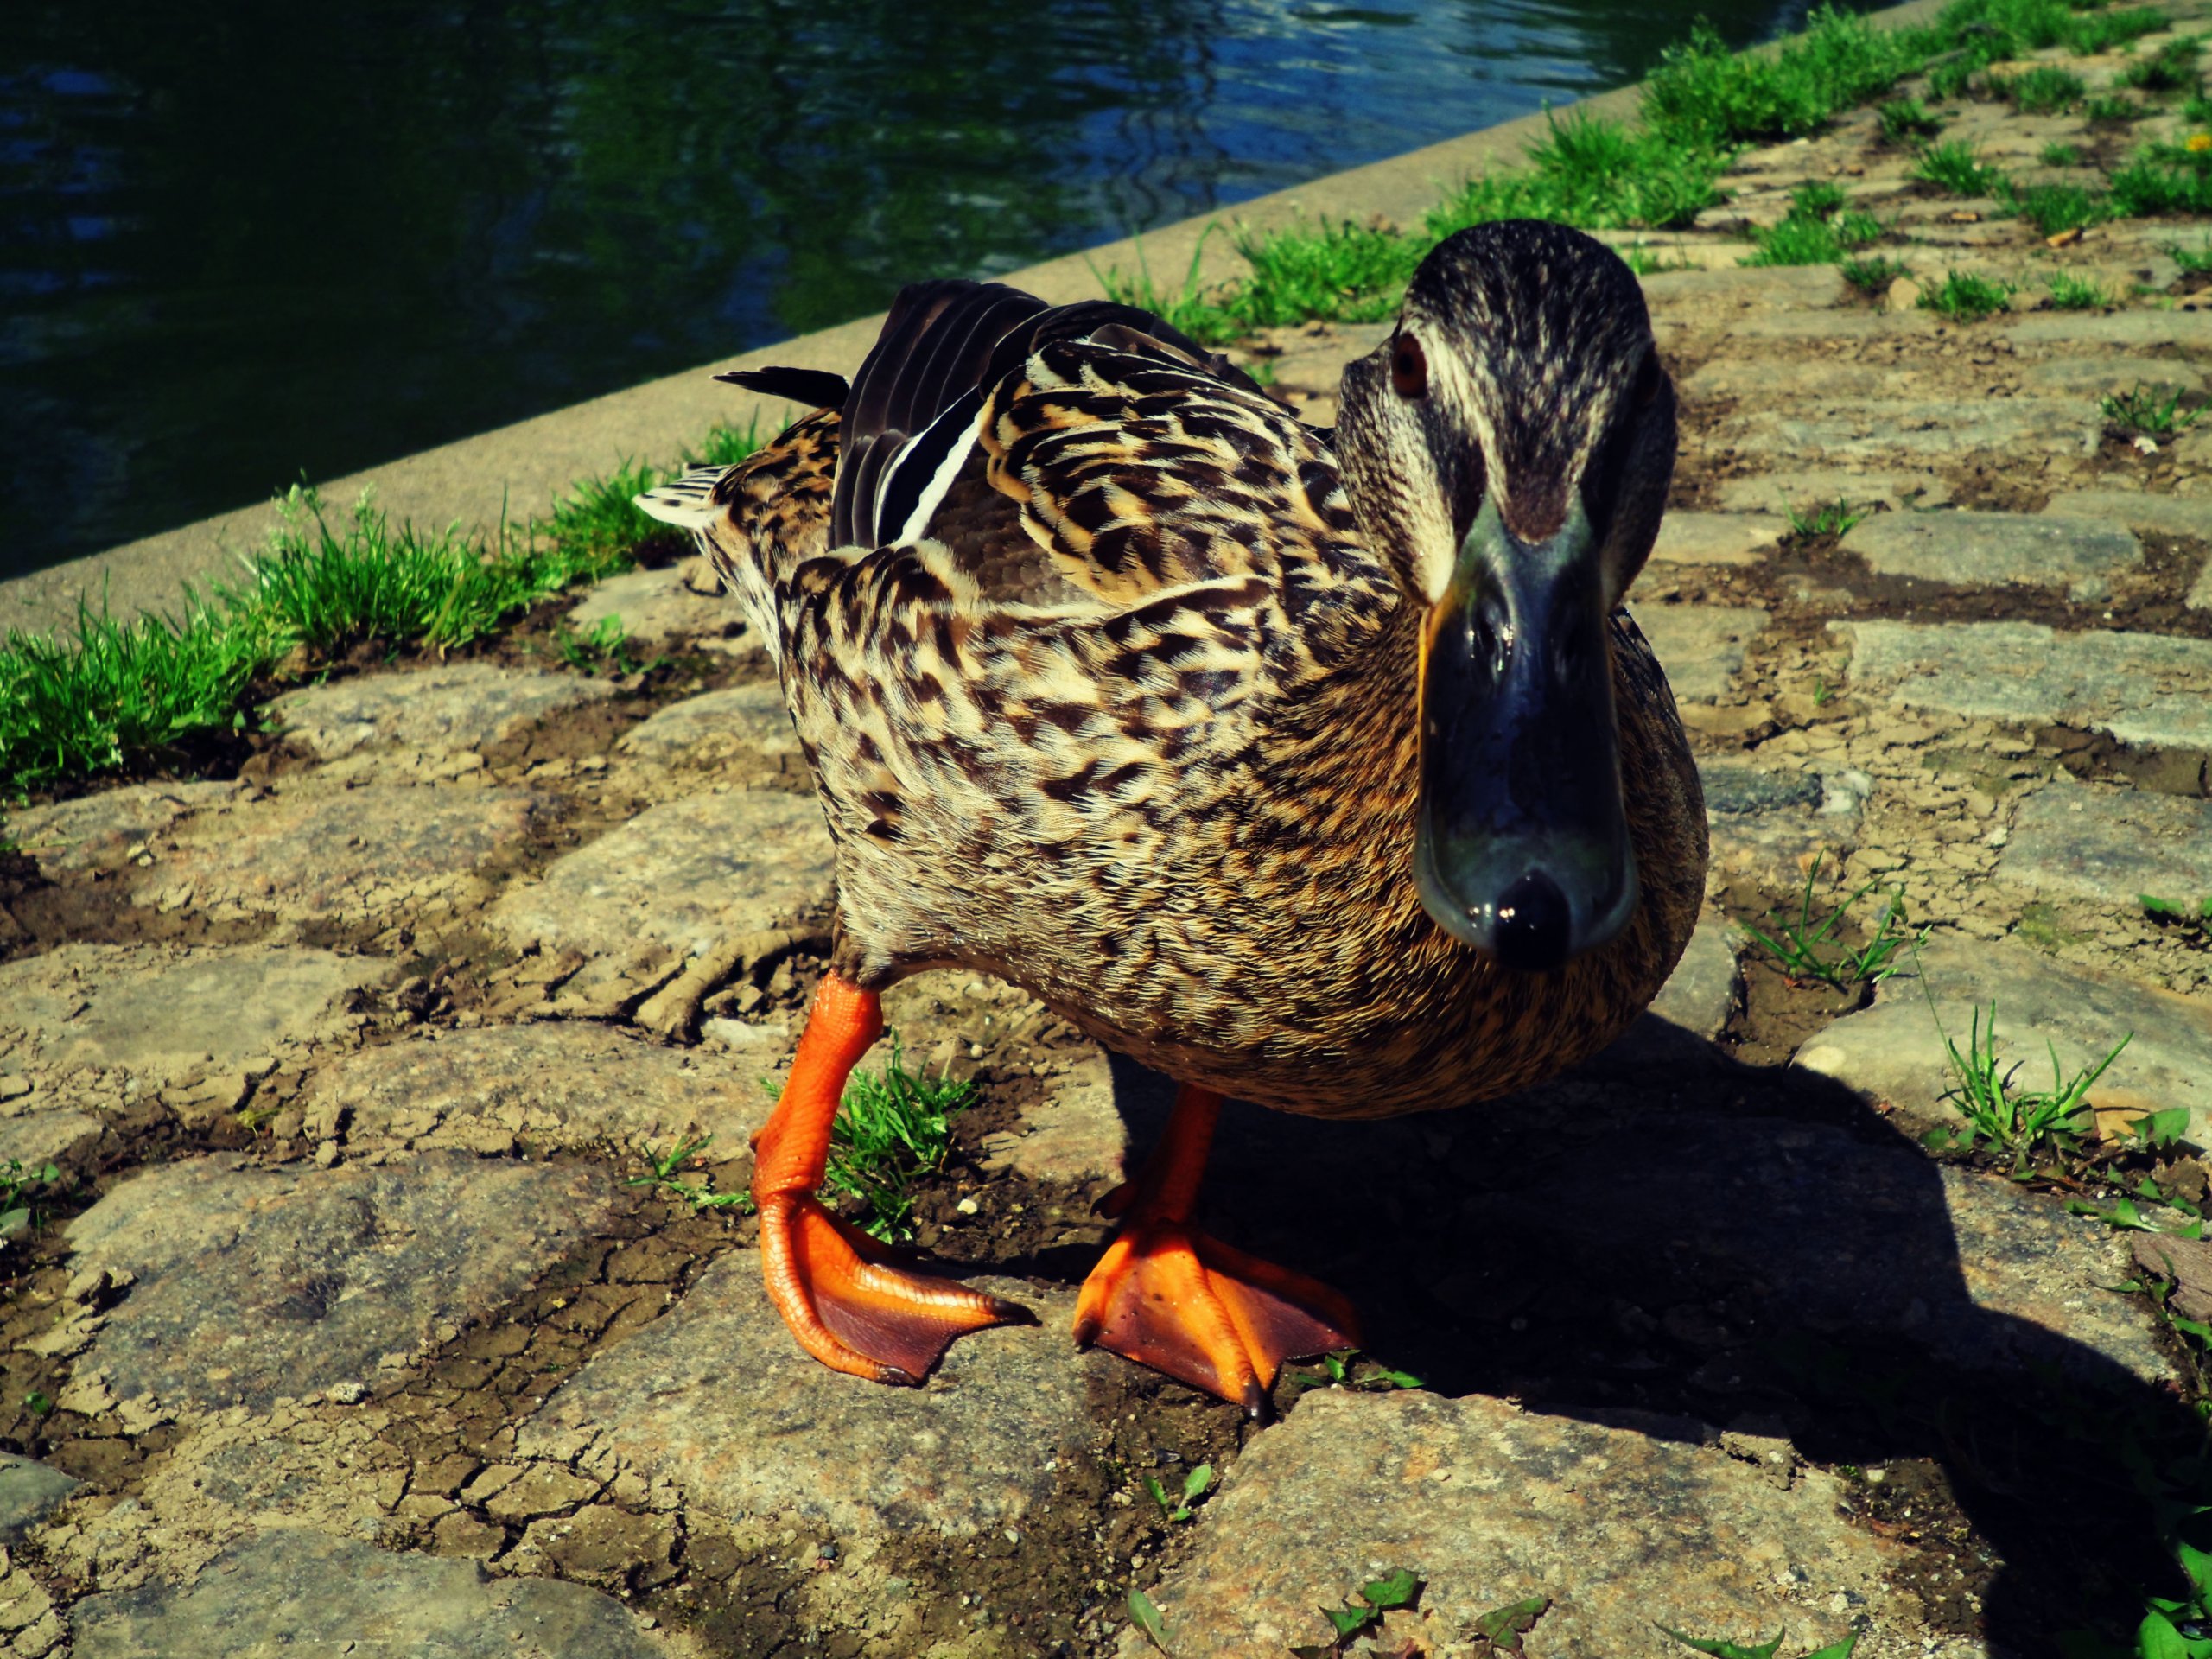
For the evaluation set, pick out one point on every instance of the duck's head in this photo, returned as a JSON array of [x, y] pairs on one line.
[[1510, 448]]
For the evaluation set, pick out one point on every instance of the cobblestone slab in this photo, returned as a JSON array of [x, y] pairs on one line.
[[1893, 1051], [2111, 845], [557, 1087], [1717, 538], [682, 876], [746, 722], [290, 1591], [108, 830], [247, 1283], [1992, 550], [29, 1492], [1874, 432], [2170, 515], [1700, 647], [1768, 823], [1617, 1526], [654, 606], [2108, 373], [436, 710], [2150, 690], [1825, 486], [779, 1437], [2188, 331], [333, 855], [169, 1013]]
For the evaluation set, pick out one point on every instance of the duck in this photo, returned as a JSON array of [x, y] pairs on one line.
[[1322, 769]]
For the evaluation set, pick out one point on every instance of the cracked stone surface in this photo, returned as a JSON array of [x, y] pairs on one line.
[[1075, 1134], [290, 1591], [1700, 647], [1984, 549], [1619, 1526], [1769, 822], [247, 1283], [563, 1086], [1892, 1052], [2108, 374], [752, 1444], [2109, 844], [173, 1012], [438, 710], [2147, 689], [349, 854], [682, 876]]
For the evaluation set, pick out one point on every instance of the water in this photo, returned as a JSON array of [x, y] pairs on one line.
[[242, 243]]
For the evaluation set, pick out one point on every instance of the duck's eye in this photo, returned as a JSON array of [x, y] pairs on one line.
[[1408, 368]]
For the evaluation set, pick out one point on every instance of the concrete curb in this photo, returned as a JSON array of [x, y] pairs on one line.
[[521, 468]]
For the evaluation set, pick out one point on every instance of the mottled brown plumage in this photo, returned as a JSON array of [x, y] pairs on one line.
[[1131, 713]]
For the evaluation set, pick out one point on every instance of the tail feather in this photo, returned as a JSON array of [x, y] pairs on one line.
[[689, 502], [813, 388]]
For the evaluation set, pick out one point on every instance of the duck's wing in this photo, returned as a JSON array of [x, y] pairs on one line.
[[1028, 458]]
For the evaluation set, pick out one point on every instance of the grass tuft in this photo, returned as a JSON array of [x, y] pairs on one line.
[[2076, 294], [2112, 107], [893, 1127], [2172, 68], [1873, 275], [2163, 181], [2003, 1117], [116, 694], [2054, 207], [1905, 120], [2044, 90], [2060, 155], [1702, 91], [1965, 298], [1954, 166], [1807, 950]]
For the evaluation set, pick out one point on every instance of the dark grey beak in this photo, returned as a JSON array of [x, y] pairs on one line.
[[1522, 848]]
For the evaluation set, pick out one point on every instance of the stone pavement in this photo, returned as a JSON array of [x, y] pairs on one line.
[[362, 1332]]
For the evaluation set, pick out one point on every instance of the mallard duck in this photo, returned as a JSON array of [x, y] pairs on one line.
[[1318, 769]]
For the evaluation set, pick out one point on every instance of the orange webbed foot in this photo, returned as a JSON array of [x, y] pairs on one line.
[[1206, 1314], [1168, 1296], [830, 1282], [854, 1312]]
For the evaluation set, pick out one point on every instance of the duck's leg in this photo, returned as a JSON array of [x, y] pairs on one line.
[[1168, 1296], [829, 1279]]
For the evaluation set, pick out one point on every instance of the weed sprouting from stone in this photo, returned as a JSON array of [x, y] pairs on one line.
[[1810, 950], [2004, 1118], [2148, 411], [1724, 1649], [2044, 90]]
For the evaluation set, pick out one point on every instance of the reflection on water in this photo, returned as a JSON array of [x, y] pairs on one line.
[[240, 242]]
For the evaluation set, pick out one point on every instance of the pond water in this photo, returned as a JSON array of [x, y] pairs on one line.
[[243, 242]]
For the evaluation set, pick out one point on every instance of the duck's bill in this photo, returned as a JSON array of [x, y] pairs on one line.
[[1522, 848]]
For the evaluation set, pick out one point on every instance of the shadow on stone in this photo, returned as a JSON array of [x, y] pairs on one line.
[[1690, 1239]]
